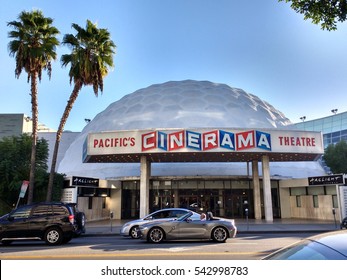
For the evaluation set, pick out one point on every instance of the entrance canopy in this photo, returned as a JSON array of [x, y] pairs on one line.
[[202, 145]]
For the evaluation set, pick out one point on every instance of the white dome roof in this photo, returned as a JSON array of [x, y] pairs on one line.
[[182, 104], [188, 104]]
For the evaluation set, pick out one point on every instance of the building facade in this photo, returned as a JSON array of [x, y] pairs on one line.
[[14, 125], [226, 188], [333, 128], [17, 124], [133, 184]]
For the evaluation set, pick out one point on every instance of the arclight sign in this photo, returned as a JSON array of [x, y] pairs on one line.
[[202, 140]]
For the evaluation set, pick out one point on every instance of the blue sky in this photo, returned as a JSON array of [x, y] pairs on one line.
[[263, 47]]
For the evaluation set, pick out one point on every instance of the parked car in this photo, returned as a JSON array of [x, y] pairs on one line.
[[217, 229], [80, 219], [52, 222], [344, 223], [132, 228], [326, 246]]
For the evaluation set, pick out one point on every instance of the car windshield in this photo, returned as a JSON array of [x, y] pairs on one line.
[[182, 218], [308, 250]]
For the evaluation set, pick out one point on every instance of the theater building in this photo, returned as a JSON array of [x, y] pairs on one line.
[[198, 145]]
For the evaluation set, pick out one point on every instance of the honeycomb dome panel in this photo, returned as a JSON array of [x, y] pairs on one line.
[[175, 104], [188, 104]]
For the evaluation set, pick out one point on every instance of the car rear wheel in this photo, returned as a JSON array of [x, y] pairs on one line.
[[53, 236], [134, 232], [156, 235], [219, 234], [81, 223]]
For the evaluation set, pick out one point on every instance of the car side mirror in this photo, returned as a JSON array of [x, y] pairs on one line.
[[188, 220]]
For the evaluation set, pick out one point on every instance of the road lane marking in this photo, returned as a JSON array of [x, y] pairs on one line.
[[170, 254]]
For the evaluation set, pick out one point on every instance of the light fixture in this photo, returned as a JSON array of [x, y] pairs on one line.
[[303, 118], [334, 111]]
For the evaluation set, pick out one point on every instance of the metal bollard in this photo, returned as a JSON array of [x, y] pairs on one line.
[[334, 213], [246, 213], [111, 217]]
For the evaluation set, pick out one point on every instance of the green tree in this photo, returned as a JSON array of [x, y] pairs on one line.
[[335, 156], [91, 57], [326, 13], [15, 153], [34, 47]]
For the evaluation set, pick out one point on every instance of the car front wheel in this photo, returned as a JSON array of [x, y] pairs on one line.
[[155, 235], [134, 232], [219, 234], [53, 236]]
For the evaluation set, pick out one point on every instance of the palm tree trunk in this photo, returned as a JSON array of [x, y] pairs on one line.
[[34, 109], [68, 108]]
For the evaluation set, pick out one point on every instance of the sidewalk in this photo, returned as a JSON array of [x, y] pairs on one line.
[[112, 227]]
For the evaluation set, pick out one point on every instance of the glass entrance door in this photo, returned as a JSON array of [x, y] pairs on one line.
[[235, 205]]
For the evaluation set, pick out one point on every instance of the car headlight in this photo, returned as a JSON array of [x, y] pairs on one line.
[[125, 226]]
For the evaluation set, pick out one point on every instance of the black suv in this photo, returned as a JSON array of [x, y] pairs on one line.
[[53, 222]]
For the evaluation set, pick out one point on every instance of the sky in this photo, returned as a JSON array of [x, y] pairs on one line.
[[262, 47]]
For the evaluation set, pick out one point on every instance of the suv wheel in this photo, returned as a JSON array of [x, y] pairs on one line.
[[53, 236], [81, 223]]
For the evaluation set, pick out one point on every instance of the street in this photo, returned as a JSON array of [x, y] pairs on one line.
[[244, 247]]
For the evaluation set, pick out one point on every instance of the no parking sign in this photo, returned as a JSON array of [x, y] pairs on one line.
[[23, 189]]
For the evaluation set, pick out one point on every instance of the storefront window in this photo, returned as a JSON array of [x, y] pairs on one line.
[[298, 191], [335, 202], [161, 195], [130, 199], [315, 201], [90, 203], [298, 201], [315, 190], [225, 198], [330, 190]]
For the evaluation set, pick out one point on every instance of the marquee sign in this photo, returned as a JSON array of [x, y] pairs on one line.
[[326, 180], [203, 140], [84, 181]]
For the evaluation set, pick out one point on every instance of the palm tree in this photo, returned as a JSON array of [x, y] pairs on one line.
[[34, 47], [90, 59]]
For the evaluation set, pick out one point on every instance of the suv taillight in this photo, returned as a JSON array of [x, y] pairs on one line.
[[72, 219]]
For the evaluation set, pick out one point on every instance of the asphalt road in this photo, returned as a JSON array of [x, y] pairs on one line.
[[244, 247]]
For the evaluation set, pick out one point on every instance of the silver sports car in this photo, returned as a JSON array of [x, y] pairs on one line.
[[131, 228], [217, 229]]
